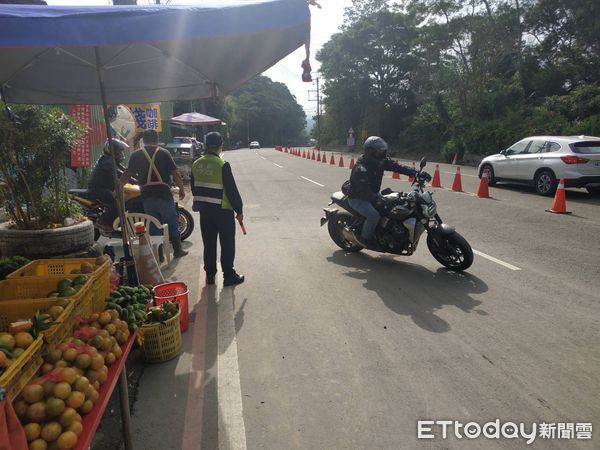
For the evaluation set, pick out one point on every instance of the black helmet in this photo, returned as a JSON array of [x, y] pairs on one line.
[[119, 147], [375, 148], [213, 139]]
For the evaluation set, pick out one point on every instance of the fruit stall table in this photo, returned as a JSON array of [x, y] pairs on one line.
[[91, 421]]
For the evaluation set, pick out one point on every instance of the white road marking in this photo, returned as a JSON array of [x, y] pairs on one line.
[[462, 173], [262, 157], [232, 431], [496, 260], [281, 167], [312, 181]]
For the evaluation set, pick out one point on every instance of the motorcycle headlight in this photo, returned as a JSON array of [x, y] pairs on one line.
[[429, 210]]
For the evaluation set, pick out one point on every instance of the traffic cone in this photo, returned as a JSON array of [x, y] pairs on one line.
[[457, 184], [313, 155], [341, 164], [145, 262], [332, 160], [304, 154], [286, 149], [455, 160], [436, 177], [483, 191], [319, 157], [324, 159], [351, 166], [411, 179], [559, 205]]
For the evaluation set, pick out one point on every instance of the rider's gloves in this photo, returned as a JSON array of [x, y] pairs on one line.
[[425, 176]]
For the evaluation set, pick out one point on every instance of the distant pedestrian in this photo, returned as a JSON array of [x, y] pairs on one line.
[[216, 197]]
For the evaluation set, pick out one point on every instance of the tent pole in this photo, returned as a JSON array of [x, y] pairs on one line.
[[129, 261]]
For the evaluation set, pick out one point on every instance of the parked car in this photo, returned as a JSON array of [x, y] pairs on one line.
[[543, 160], [254, 144]]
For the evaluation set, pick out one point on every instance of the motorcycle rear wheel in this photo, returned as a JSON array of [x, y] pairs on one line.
[[452, 251], [186, 223], [335, 225]]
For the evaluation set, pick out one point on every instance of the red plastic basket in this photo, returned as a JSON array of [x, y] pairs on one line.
[[178, 292]]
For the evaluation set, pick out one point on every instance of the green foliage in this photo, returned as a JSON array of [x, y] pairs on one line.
[[9, 264], [457, 76], [265, 111], [33, 156]]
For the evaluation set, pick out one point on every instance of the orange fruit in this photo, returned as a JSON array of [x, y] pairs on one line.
[[53, 355], [54, 407], [81, 384], [104, 318], [33, 393], [83, 361], [67, 440], [62, 390], [36, 412], [76, 399], [97, 341], [69, 354], [60, 364], [110, 359], [51, 431], [114, 315], [38, 444], [23, 340], [20, 407], [75, 427], [47, 368], [69, 375], [94, 317], [68, 417], [32, 431], [92, 394], [97, 362], [86, 407]]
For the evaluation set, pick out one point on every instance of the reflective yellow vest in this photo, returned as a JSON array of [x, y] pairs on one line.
[[208, 181]]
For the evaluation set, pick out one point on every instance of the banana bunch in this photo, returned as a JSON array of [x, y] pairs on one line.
[[165, 311]]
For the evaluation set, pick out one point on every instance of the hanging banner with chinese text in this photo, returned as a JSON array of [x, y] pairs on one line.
[[81, 153], [147, 116]]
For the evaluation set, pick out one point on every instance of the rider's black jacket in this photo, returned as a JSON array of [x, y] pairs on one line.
[[366, 176], [102, 176]]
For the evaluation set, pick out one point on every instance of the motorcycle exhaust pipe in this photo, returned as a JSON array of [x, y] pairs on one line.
[[348, 235]]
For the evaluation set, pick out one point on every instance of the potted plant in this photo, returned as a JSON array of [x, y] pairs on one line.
[[35, 146]]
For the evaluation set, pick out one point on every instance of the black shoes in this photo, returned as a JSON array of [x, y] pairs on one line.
[[234, 279], [210, 279], [178, 251]]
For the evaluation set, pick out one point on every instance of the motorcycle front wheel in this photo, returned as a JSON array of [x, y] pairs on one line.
[[335, 226], [186, 223], [450, 250]]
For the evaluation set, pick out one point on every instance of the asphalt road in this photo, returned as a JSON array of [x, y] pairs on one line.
[[319, 349]]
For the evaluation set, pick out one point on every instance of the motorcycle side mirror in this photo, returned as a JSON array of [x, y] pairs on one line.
[[386, 191], [423, 162]]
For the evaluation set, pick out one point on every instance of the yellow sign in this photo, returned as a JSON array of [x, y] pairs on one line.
[[147, 116]]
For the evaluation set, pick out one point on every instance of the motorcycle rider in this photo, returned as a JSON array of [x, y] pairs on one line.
[[101, 183], [365, 184]]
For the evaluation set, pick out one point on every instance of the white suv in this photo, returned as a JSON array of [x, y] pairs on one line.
[[543, 160]]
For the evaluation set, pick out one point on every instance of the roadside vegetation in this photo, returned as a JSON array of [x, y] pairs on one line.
[[456, 76]]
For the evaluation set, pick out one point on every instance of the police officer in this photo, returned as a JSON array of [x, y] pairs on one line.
[[216, 197], [365, 183]]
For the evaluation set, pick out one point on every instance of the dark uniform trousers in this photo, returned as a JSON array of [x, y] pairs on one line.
[[218, 222]]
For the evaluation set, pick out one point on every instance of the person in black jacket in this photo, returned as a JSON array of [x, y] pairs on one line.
[[365, 184], [101, 183]]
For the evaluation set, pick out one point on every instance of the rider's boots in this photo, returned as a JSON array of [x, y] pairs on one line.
[[178, 252]]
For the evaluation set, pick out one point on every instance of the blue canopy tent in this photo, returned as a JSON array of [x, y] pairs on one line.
[[134, 54]]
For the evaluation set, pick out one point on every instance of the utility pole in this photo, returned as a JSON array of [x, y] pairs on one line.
[[318, 100]]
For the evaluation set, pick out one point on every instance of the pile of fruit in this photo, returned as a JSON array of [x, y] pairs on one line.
[[88, 267], [130, 304], [165, 311], [67, 287], [50, 408], [12, 345]]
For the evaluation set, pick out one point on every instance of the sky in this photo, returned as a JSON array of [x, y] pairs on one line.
[[324, 22]]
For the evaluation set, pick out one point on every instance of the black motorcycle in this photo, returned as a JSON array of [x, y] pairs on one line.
[[404, 217], [93, 209]]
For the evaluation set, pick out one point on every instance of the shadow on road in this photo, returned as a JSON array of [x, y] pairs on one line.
[[413, 290], [572, 195]]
